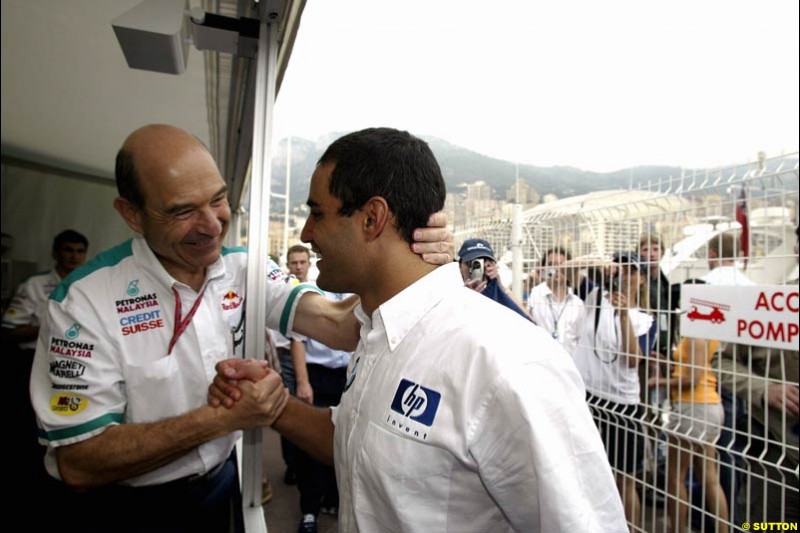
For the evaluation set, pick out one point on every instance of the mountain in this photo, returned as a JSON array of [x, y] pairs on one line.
[[460, 165]]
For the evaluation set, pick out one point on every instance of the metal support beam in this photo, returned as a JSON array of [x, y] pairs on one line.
[[516, 252], [258, 237]]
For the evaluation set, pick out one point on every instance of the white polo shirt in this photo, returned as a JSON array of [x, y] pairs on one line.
[[29, 304], [599, 357], [102, 359], [459, 415], [727, 275], [563, 320]]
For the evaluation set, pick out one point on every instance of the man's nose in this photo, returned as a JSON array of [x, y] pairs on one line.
[[209, 222], [308, 233]]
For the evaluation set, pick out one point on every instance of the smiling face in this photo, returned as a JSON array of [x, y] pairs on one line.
[[186, 213], [332, 236]]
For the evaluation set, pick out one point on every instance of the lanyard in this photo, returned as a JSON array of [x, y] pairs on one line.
[[182, 323], [550, 299]]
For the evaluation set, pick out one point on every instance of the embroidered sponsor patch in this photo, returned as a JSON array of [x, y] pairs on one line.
[[67, 368], [416, 402], [231, 300], [67, 404], [68, 348]]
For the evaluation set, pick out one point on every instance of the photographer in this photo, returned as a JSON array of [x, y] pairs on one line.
[[607, 357], [479, 272], [553, 306]]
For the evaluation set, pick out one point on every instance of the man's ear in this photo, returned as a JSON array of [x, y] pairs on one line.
[[130, 213], [375, 217]]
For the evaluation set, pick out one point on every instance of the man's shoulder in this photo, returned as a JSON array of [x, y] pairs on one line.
[[484, 321]]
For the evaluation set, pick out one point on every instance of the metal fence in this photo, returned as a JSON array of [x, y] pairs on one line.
[[676, 463]]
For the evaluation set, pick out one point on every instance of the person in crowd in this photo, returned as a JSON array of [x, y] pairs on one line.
[[651, 251], [722, 262], [765, 382], [324, 372], [722, 252], [447, 422], [25, 313], [694, 426], [298, 260], [608, 355], [480, 273], [21, 323], [121, 370], [553, 306]]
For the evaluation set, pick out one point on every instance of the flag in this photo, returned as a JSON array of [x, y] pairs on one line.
[[741, 218]]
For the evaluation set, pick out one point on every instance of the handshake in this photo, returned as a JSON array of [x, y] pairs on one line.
[[248, 392]]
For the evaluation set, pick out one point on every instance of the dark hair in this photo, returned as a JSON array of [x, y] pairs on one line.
[[127, 181], [69, 235], [560, 250], [694, 281], [298, 248], [389, 163]]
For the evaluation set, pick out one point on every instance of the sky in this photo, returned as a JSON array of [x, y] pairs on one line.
[[598, 85]]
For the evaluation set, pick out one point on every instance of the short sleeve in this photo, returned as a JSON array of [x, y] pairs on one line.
[[76, 384], [22, 309]]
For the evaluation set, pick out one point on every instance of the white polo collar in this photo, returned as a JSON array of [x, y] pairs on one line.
[[397, 316]]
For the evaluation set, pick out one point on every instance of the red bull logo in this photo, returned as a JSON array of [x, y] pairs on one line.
[[231, 300]]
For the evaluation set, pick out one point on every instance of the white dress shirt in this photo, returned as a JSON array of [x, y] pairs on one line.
[[460, 416]]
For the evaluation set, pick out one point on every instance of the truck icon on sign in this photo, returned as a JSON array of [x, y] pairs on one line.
[[715, 316]]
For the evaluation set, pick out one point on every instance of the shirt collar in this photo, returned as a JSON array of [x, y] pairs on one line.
[[148, 261], [398, 315]]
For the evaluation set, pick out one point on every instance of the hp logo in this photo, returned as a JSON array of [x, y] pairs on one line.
[[416, 402]]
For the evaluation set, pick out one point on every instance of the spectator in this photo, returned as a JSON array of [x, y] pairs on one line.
[[27, 309], [552, 304], [326, 373], [479, 272], [694, 426], [722, 262], [766, 381], [607, 356]]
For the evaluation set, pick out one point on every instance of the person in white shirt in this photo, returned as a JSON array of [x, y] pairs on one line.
[[608, 355], [553, 306], [447, 422], [722, 262], [26, 311]]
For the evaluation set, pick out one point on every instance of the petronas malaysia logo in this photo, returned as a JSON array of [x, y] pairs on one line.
[[73, 332], [133, 288]]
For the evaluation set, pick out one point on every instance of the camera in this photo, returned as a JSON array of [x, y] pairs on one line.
[[476, 269], [612, 283], [551, 272]]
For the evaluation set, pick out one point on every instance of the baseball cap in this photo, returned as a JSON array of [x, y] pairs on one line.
[[473, 249], [627, 258]]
